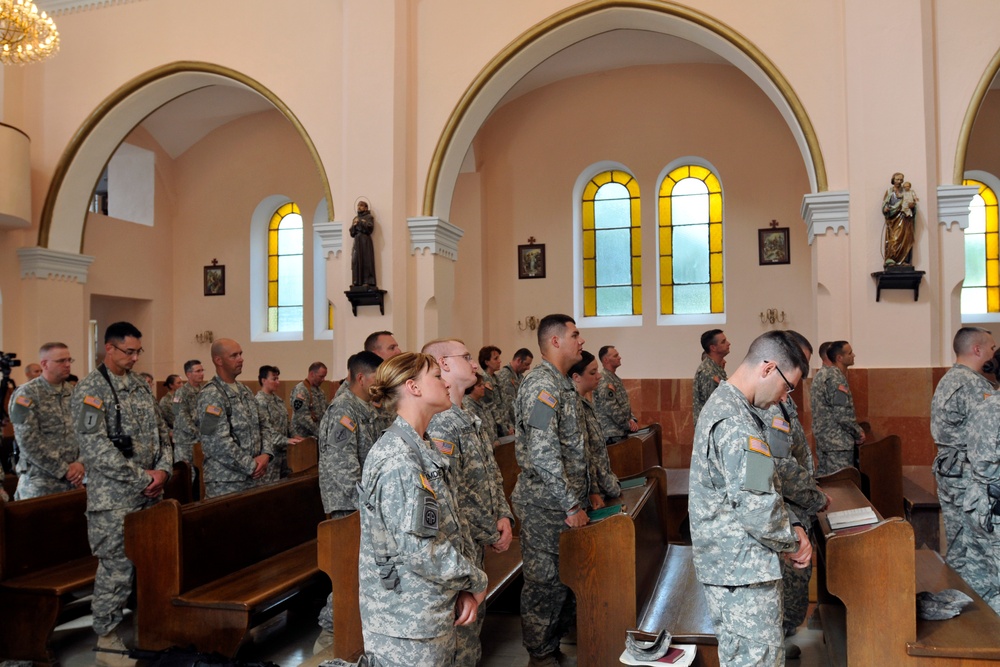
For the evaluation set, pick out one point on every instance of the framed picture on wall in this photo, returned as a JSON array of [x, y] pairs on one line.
[[773, 246], [531, 261], [215, 280]]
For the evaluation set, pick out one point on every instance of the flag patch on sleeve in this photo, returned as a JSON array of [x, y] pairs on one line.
[[347, 423], [759, 446], [780, 424], [23, 401], [547, 398], [427, 485], [213, 410], [445, 447], [93, 402]]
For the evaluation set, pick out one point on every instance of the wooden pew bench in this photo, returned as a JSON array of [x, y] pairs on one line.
[[678, 526], [922, 507], [880, 463], [303, 456], [874, 573], [46, 568], [626, 457], [626, 576], [209, 571]]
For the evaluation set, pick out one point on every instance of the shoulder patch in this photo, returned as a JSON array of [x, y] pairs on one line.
[[348, 423], [780, 424], [548, 399], [177, 398], [298, 403], [759, 446], [445, 447], [427, 485], [985, 396], [716, 379], [611, 389], [843, 388], [93, 402], [213, 410], [23, 401]]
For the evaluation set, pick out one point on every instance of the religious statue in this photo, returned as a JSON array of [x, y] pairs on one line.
[[363, 252], [899, 206]]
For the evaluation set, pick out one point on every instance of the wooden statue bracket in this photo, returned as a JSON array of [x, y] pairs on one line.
[[898, 278], [366, 296]]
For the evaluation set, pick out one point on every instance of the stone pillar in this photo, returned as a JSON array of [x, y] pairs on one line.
[[826, 217], [953, 217], [435, 243], [55, 304]]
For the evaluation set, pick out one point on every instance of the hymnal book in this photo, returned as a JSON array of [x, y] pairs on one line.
[[604, 512], [633, 483], [860, 516]]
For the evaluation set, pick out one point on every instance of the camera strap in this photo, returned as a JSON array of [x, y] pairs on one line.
[[229, 408], [118, 408]]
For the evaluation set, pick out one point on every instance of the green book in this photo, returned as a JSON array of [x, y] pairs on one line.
[[633, 483], [604, 512]]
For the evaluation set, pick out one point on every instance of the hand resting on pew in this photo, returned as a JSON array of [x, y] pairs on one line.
[[801, 558], [506, 535], [157, 479], [576, 517]]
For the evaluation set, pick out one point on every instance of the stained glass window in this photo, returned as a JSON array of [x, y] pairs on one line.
[[612, 246], [284, 270], [981, 289]]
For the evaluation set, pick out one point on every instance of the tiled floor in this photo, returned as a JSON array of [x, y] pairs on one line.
[[293, 646]]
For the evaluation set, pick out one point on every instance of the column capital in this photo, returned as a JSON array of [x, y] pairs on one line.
[[331, 237], [824, 211], [43, 263], [953, 204], [434, 234]]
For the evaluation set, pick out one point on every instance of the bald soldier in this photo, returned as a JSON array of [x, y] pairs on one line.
[[309, 402]]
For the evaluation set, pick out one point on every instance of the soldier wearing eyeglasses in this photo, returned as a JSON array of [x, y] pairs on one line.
[[49, 458]]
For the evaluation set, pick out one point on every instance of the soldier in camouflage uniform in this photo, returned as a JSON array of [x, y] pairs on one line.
[[185, 405], [49, 457], [411, 603], [957, 394], [274, 412], [237, 442], [309, 402], [475, 403], [508, 379], [835, 424], [981, 567], [739, 525], [611, 400], [475, 477], [346, 435], [603, 481], [113, 405], [172, 383], [551, 491], [382, 343], [489, 362], [711, 371]]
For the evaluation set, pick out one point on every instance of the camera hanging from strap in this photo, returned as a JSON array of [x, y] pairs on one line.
[[122, 442]]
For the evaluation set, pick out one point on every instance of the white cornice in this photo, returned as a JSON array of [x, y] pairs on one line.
[[824, 211], [953, 204], [57, 7], [434, 234], [331, 237], [42, 263]]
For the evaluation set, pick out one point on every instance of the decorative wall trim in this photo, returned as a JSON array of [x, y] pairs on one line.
[[953, 204], [826, 211], [42, 263], [57, 7], [434, 234], [331, 237]]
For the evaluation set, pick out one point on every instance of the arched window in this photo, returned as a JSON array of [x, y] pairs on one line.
[[981, 289], [690, 242], [284, 270], [612, 245]]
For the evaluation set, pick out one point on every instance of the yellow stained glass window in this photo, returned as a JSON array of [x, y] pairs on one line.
[[981, 289], [284, 270], [690, 242], [612, 245]]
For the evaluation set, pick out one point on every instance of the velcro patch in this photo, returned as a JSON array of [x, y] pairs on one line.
[[93, 402], [548, 399], [843, 388], [430, 513], [759, 446], [298, 403], [780, 424], [347, 423], [445, 447], [717, 379], [213, 410], [23, 401], [611, 389], [985, 396], [177, 398], [424, 483]]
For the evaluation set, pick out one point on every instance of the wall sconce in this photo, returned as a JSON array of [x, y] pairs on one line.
[[205, 337], [530, 323], [771, 316]]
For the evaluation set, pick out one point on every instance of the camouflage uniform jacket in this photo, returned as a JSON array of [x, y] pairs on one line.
[[956, 396], [602, 479], [43, 427], [481, 410], [475, 476], [185, 428], [983, 450], [233, 431], [706, 379], [308, 405], [412, 564], [550, 443], [495, 404], [167, 408], [835, 424], [738, 518], [113, 481], [507, 383], [346, 435], [802, 495], [612, 405], [274, 412]]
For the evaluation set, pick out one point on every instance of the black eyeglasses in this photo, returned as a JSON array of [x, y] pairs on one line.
[[129, 352], [788, 384]]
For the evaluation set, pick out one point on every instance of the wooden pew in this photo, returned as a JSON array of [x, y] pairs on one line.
[[922, 507], [626, 457], [874, 574], [303, 455], [179, 486], [625, 576], [678, 527], [209, 571], [45, 568], [881, 466], [509, 471]]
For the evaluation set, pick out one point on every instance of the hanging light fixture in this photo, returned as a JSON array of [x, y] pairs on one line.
[[26, 34]]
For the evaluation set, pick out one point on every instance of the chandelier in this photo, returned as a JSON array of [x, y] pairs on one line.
[[26, 35]]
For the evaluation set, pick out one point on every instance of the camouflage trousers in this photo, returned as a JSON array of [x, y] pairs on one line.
[[548, 607], [325, 618], [961, 545], [747, 622], [385, 651], [216, 489], [830, 461], [981, 568], [113, 582], [795, 593], [468, 647], [36, 485], [278, 468]]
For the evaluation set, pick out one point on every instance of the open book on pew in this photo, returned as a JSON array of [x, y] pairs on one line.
[[859, 516]]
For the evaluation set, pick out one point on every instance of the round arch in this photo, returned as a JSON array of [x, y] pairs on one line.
[[958, 173], [64, 214], [586, 20]]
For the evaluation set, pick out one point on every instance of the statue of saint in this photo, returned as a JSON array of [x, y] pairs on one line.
[[899, 206], [363, 251]]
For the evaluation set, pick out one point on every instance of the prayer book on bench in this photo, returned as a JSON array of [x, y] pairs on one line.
[[860, 516]]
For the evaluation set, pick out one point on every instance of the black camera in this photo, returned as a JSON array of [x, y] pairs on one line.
[[123, 443], [8, 361]]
